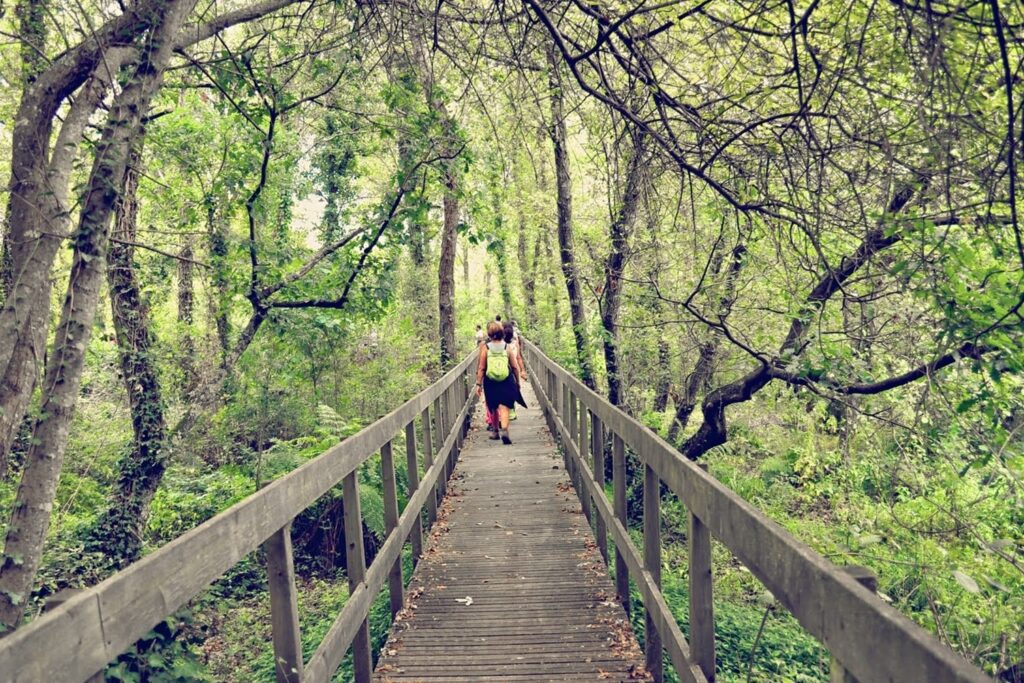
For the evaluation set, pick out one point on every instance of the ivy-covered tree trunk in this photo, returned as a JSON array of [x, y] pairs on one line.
[[119, 529], [703, 372], [186, 304], [30, 517], [563, 186], [217, 236], [619, 231], [446, 269], [526, 269], [39, 212]]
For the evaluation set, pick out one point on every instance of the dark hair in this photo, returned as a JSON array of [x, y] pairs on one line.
[[478, 327], [507, 326], [498, 318]]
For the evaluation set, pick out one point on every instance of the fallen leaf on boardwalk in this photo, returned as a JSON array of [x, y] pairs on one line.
[[467, 601], [638, 671], [601, 673]]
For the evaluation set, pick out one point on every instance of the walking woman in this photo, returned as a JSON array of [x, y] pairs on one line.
[[497, 379]]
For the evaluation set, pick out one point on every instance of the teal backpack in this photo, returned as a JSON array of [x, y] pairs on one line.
[[497, 365]]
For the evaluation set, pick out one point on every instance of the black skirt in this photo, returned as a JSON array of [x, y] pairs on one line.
[[503, 393]]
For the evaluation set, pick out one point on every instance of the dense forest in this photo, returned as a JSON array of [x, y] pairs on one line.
[[784, 235]]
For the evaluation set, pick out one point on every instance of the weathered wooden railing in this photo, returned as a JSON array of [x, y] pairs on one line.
[[869, 640], [77, 639]]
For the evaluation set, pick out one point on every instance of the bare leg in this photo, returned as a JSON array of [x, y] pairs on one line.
[[503, 416]]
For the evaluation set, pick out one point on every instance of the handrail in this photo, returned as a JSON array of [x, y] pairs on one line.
[[869, 639], [80, 637]]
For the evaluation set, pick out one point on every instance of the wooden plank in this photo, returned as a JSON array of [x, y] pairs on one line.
[[428, 461], [654, 602], [542, 602], [340, 636], [284, 606], [619, 500], [583, 447], [355, 555], [131, 602], [390, 490], [652, 563], [597, 452], [702, 606], [412, 476], [874, 639]]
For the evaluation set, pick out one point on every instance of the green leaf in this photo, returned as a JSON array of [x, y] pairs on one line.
[[966, 582]]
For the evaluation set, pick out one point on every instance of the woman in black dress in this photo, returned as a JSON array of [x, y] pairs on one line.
[[497, 378]]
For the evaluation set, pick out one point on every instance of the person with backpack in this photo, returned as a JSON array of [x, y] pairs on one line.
[[497, 379], [515, 357]]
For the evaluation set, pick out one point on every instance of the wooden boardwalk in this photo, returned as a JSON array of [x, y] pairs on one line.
[[511, 586]]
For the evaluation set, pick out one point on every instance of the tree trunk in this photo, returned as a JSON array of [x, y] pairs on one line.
[[186, 304], [119, 529], [563, 186], [446, 271], [30, 517], [664, 375], [220, 294], [552, 284], [526, 269], [39, 213], [704, 369], [619, 231]]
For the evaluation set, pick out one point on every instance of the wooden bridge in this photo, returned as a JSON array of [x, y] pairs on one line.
[[510, 583]]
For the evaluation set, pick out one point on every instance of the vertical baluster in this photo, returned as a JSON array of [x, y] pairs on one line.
[[449, 424], [573, 431], [652, 563], [412, 469], [284, 606], [356, 562], [619, 503], [439, 435], [584, 490], [866, 578], [564, 406], [428, 461], [387, 476], [597, 450], [702, 611]]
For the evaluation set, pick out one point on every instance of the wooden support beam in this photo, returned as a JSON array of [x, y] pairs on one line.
[[412, 476], [866, 578], [583, 491], [702, 609], [387, 468], [428, 460], [597, 453], [619, 503], [355, 555], [284, 606], [652, 563]]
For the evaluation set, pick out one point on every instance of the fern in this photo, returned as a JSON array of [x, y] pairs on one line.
[[372, 504], [328, 420]]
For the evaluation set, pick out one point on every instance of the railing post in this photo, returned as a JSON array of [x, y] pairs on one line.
[[619, 504], [702, 610], [284, 606], [387, 467], [428, 462], [597, 450], [866, 578], [583, 490], [573, 431], [652, 563], [356, 566], [412, 468], [438, 447]]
